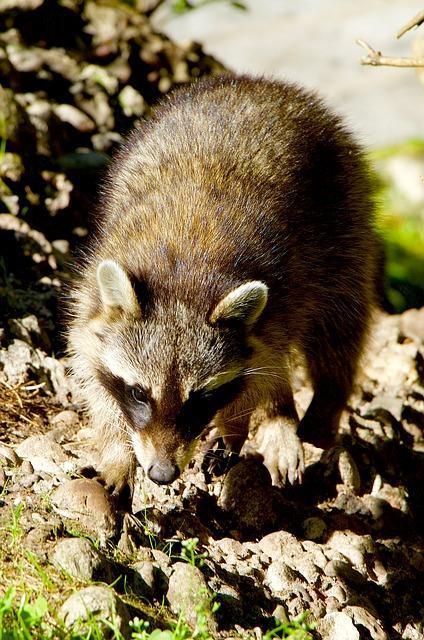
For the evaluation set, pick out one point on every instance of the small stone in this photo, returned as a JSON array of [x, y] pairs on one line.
[[3, 478], [313, 528], [162, 560], [338, 593], [26, 467], [131, 101], [9, 455], [351, 545], [332, 604], [87, 502], [349, 471], [73, 116], [79, 558], [28, 480], [64, 425], [230, 605], [364, 618], [315, 553], [412, 323], [61, 246], [144, 578], [188, 590], [233, 551], [126, 544], [43, 453], [337, 626], [280, 614], [100, 602], [274, 543], [280, 577], [37, 540], [284, 546], [247, 496], [410, 632]]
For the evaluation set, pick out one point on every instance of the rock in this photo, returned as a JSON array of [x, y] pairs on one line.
[[232, 550], [28, 480], [351, 545], [412, 323], [280, 614], [26, 467], [28, 329], [338, 593], [43, 453], [8, 455], [3, 479], [65, 425], [163, 561], [349, 471], [383, 403], [343, 570], [24, 5], [79, 558], [144, 582], [410, 632], [337, 626], [315, 553], [280, 577], [100, 602], [363, 618], [391, 365], [131, 101], [313, 528], [284, 546], [188, 590], [230, 604], [74, 117], [16, 360], [37, 540], [87, 502], [247, 496]]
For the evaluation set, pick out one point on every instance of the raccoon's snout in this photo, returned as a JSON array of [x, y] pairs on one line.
[[163, 471]]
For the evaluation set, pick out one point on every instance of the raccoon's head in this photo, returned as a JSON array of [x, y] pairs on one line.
[[168, 367]]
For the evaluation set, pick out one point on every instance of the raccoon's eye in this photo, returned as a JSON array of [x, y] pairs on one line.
[[139, 395]]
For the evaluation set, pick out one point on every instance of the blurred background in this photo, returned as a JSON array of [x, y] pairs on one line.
[[76, 75]]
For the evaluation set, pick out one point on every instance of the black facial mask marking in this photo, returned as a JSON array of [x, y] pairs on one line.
[[202, 405], [136, 412]]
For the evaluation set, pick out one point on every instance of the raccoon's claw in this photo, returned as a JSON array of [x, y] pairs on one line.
[[219, 458], [119, 488], [282, 452]]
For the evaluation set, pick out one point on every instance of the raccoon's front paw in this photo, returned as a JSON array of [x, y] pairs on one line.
[[118, 481], [218, 458], [281, 450]]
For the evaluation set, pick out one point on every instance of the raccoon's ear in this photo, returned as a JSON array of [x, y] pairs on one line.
[[116, 291], [244, 304]]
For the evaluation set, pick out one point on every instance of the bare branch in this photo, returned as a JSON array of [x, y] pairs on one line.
[[414, 22], [376, 58]]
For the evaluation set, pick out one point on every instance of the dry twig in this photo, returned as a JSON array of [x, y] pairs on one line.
[[414, 22], [376, 58]]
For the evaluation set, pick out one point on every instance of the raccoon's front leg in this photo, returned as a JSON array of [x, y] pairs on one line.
[[276, 439], [117, 463]]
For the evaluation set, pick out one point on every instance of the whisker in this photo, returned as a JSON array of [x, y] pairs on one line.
[[238, 415]]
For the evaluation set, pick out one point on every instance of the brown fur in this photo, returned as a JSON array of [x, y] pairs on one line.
[[232, 180]]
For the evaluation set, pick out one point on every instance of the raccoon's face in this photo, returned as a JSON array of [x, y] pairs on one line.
[[169, 370]]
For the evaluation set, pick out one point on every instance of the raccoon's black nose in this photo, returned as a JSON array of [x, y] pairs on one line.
[[163, 472]]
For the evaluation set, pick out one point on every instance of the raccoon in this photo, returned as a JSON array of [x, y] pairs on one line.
[[235, 228]]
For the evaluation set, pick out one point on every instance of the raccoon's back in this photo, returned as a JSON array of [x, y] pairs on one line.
[[233, 179]]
